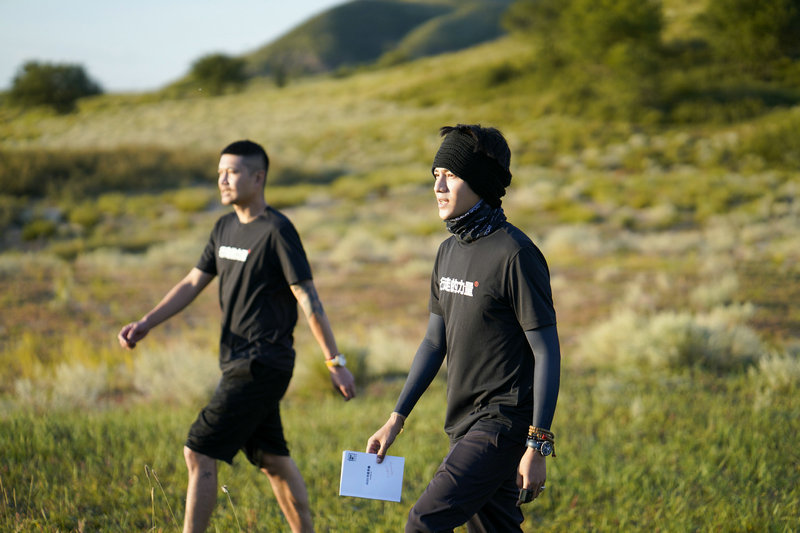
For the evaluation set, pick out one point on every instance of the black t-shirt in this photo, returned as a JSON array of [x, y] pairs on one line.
[[489, 292], [256, 263]]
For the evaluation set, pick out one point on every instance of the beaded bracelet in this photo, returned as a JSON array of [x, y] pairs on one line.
[[541, 434]]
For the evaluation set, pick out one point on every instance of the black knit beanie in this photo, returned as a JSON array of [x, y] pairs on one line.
[[485, 175]]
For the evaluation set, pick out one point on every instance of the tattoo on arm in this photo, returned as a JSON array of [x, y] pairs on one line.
[[309, 299], [208, 474]]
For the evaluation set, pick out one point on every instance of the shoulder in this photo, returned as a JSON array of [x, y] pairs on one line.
[[511, 238], [446, 245], [517, 245], [225, 220], [276, 219], [279, 228]]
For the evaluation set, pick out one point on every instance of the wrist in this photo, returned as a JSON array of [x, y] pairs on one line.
[[335, 361], [397, 420], [541, 440], [541, 447]]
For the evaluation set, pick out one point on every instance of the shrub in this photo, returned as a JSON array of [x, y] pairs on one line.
[[672, 340], [10, 210], [86, 215], [178, 373], [777, 373], [753, 31], [78, 174], [280, 196], [192, 200], [217, 72], [39, 228], [57, 86], [591, 30]]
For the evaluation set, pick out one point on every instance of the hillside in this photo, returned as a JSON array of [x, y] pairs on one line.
[[361, 32], [665, 201]]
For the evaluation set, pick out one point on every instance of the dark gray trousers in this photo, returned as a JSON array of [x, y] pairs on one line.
[[476, 484]]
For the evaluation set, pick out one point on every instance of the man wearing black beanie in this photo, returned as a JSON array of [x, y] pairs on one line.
[[492, 316]]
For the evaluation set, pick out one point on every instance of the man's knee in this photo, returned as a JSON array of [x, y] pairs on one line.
[[414, 523], [441, 520]]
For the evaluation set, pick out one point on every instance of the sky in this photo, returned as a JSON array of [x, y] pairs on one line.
[[140, 45]]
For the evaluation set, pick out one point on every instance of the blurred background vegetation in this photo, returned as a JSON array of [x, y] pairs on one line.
[[656, 163]]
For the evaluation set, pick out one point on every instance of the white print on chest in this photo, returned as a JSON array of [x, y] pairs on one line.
[[234, 254], [457, 286]]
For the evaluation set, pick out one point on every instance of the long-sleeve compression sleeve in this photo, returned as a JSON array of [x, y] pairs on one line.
[[427, 362], [546, 374]]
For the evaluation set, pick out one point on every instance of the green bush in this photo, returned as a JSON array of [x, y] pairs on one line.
[[39, 229], [86, 215], [215, 73], [282, 196], [10, 209], [672, 341], [46, 84], [79, 174], [192, 200], [752, 32]]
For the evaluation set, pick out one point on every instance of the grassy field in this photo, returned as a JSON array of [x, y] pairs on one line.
[[675, 259], [659, 453]]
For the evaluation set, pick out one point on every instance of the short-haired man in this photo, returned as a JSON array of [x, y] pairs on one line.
[[263, 274], [492, 316]]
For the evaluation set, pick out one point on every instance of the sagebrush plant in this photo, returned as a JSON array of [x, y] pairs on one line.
[[175, 372], [777, 373], [671, 340], [716, 292]]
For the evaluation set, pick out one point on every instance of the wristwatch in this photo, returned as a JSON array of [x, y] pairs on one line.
[[544, 447], [335, 361]]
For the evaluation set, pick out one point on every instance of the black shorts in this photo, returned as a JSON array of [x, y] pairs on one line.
[[243, 414]]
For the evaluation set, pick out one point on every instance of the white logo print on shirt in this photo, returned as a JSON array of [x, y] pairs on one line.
[[234, 254], [457, 286]]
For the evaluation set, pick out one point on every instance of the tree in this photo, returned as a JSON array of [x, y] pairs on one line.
[[537, 19], [595, 28], [753, 31], [596, 31], [216, 72], [56, 85]]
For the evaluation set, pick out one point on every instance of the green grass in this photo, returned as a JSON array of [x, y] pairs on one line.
[[660, 452], [691, 230]]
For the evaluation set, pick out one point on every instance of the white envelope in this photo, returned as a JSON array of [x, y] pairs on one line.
[[363, 477]]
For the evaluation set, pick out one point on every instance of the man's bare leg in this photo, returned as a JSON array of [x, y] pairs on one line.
[[201, 493], [290, 491]]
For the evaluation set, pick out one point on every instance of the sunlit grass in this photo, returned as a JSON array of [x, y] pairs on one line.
[[673, 251]]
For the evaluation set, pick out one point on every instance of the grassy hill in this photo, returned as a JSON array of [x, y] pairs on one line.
[[673, 246], [361, 32]]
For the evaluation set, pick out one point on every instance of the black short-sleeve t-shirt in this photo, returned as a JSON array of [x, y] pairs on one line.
[[489, 292], [256, 262]]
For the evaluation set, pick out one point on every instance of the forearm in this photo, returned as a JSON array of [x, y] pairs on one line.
[[323, 333], [426, 364], [318, 322], [180, 296], [547, 374]]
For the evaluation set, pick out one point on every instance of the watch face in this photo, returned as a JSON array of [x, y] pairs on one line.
[[546, 448]]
